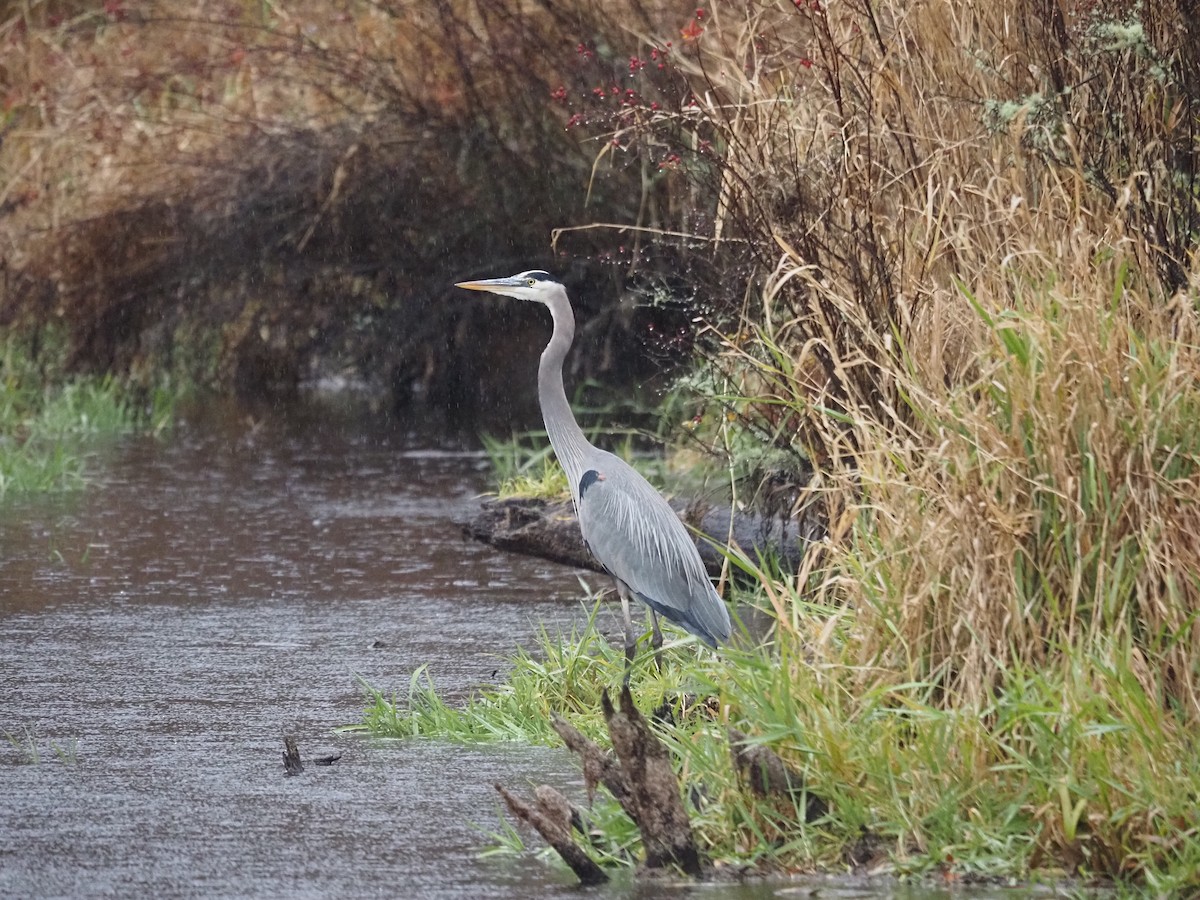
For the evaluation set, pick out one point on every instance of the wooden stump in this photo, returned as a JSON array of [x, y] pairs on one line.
[[548, 818], [599, 766], [654, 788], [767, 775], [638, 773]]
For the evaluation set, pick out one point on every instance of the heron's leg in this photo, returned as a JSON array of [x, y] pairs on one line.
[[630, 635], [656, 641]]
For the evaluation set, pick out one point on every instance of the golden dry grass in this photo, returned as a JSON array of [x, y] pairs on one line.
[[978, 319], [179, 175]]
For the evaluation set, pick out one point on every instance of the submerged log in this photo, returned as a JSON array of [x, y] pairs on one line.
[[549, 530], [548, 820], [654, 788]]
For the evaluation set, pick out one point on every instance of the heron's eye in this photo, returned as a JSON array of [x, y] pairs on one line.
[[531, 281]]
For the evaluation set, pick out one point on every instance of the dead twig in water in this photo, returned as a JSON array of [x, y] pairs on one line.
[[291, 756]]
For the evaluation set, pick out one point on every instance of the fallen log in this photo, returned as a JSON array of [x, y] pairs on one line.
[[549, 530]]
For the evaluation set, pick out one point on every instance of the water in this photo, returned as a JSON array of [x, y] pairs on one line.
[[161, 632]]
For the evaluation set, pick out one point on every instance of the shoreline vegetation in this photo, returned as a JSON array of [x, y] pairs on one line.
[[51, 423], [930, 275]]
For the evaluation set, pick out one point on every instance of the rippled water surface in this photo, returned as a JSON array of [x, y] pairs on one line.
[[162, 631]]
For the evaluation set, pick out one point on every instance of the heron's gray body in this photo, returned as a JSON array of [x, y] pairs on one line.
[[626, 523], [637, 537]]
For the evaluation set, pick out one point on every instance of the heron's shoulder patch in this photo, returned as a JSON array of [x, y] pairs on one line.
[[590, 477]]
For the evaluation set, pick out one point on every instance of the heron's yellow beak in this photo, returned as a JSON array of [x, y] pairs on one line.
[[495, 285]]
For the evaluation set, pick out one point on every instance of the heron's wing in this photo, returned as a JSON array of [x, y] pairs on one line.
[[637, 537]]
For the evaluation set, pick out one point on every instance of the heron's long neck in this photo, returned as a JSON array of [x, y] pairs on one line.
[[565, 435]]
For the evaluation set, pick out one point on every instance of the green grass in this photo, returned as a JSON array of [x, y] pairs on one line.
[[1059, 774], [524, 465], [28, 753], [49, 422], [563, 675]]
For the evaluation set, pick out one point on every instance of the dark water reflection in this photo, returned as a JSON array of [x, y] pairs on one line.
[[162, 631]]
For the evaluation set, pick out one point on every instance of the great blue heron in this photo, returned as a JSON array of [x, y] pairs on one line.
[[626, 523]]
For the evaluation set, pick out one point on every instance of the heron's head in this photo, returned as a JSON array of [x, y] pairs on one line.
[[532, 285]]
